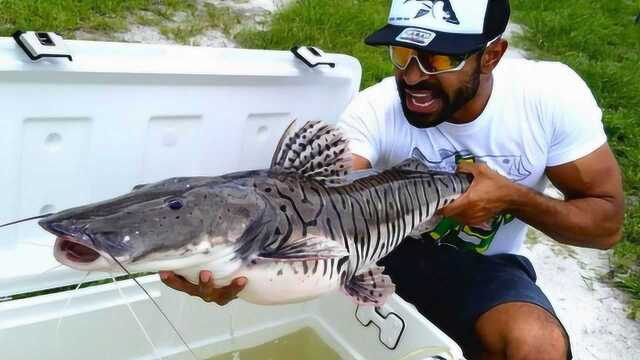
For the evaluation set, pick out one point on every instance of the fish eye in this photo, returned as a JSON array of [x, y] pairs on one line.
[[175, 204]]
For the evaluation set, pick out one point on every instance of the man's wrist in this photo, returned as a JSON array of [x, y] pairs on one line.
[[516, 197]]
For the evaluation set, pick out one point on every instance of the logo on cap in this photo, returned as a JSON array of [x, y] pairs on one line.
[[439, 9], [416, 36]]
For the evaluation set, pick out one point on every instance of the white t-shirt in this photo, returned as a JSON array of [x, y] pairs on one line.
[[540, 114]]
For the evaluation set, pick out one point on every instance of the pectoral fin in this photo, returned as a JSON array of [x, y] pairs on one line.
[[308, 248], [426, 226]]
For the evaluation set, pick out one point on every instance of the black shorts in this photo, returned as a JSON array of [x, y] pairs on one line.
[[453, 288]]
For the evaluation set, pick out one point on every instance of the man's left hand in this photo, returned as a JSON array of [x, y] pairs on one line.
[[488, 195]]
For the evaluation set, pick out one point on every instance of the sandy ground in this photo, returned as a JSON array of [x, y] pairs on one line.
[[251, 11], [592, 311]]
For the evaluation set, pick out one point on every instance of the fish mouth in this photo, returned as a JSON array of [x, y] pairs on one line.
[[74, 250]]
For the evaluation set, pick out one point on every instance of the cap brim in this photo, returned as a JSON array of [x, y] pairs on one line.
[[444, 43]]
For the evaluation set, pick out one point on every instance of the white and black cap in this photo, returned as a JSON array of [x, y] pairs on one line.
[[443, 26]]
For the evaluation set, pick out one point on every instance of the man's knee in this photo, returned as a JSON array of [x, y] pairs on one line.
[[521, 331]]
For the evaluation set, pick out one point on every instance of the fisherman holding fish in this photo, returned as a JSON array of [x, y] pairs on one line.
[[509, 124]]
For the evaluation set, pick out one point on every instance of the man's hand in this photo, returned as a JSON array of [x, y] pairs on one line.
[[591, 214], [205, 288], [488, 195]]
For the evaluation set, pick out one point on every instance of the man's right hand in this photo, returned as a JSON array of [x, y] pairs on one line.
[[205, 288]]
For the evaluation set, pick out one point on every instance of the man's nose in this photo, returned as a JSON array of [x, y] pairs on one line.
[[413, 74]]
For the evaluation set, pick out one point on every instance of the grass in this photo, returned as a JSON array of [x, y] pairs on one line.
[[332, 25], [178, 20], [67, 16], [200, 19], [599, 40]]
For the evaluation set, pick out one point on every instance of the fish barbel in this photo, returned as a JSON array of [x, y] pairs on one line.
[[306, 226]]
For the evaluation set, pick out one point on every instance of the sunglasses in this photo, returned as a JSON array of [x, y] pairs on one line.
[[430, 63]]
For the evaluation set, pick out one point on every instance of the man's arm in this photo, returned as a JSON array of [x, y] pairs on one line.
[[591, 215]]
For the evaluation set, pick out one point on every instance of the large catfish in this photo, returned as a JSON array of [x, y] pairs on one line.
[[304, 227]]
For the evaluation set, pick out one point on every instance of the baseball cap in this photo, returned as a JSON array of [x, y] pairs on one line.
[[443, 26]]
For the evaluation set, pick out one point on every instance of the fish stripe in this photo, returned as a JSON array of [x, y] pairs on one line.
[[419, 200], [379, 216], [377, 227], [305, 224], [332, 261], [324, 267], [339, 217], [401, 213], [438, 195], [347, 200], [426, 184], [386, 220], [412, 206], [287, 235], [367, 235]]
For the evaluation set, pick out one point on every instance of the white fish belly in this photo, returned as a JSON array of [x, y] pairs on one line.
[[280, 282]]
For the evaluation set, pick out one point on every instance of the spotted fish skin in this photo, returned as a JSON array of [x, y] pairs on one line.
[[306, 226]]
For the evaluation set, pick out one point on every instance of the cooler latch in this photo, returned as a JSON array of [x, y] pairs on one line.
[[312, 56], [38, 45]]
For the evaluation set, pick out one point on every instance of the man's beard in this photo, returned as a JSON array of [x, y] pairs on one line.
[[461, 96]]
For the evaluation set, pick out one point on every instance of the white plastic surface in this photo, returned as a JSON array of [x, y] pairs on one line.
[[97, 325], [125, 114]]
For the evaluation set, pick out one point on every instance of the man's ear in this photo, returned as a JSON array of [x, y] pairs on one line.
[[492, 55]]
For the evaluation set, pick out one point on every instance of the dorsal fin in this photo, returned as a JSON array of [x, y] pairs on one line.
[[288, 132], [316, 150]]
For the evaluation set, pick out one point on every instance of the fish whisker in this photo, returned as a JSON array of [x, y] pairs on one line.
[[51, 269], [27, 219], [67, 303], [155, 303], [126, 302]]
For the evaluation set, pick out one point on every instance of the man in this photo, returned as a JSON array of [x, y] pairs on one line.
[[510, 124]]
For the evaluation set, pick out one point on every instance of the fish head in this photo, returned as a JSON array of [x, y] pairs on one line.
[[154, 228]]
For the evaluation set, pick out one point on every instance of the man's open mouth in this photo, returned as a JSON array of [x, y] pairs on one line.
[[422, 101], [75, 251]]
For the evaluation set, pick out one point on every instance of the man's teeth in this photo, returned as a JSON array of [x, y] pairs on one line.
[[421, 99], [424, 104]]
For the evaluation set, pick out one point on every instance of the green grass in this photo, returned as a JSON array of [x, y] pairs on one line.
[[103, 16], [332, 25], [198, 20], [67, 16], [596, 38]]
